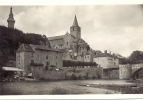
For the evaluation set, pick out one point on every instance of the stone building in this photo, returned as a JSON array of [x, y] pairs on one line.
[[11, 20], [106, 60], [44, 56], [71, 42], [109, 63]]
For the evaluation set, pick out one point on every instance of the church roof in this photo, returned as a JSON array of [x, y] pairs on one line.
[[75, 23], [55, 38], [25, 47]]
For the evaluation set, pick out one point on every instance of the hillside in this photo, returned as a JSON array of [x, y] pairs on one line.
[[10, 39]]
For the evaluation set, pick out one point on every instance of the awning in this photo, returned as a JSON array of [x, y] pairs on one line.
[[11, 69]]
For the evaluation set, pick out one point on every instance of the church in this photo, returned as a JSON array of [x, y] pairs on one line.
[[72, 44]]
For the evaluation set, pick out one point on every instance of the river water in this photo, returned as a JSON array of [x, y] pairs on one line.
[[45, 87]]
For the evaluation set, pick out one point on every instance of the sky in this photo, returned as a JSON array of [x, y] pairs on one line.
[[115, 28]]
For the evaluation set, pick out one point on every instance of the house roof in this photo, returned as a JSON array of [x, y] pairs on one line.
[[41, 47], [103, 55], [25, 47], [31, 47]]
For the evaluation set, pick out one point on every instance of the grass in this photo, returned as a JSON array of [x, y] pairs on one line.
[[59, 91]]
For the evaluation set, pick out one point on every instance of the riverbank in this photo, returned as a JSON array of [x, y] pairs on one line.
[[134, 87], [52, 87]]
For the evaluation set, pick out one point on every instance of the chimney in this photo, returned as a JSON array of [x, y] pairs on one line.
[[110, 52], [105, 51]]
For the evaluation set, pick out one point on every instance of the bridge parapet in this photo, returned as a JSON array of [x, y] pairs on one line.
[[135, 67]]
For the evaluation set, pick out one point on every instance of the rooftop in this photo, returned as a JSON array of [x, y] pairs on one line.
[[31, 47], [25, 47]]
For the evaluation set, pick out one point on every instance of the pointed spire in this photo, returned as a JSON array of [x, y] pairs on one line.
[[11, 10], [10, 19], [75, 23]]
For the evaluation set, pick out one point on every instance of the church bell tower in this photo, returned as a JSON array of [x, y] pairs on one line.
[[11, 20], [75, 29]]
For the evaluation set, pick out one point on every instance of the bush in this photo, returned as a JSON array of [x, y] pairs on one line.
[[67, 77], [59, 91], [74, 77], [93, 77], [79, 77]]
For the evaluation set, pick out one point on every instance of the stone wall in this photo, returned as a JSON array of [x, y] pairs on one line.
[[39, 72], [83, 73], [125, 71], [110, 74]]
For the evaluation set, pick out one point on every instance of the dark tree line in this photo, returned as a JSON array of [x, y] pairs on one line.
[[69, 63], [10, 39], [135, 58]]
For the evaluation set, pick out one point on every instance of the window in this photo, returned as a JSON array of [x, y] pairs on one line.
[[56, 57], [56, 63], [32, 54], [48, 63], [19, 54], [38, 57], [32, 61], [67, 43], [46, 57]]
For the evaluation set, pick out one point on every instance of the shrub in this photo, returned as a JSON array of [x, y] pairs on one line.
[[59, 91], [74, 77], [79, 77], [93, 77]]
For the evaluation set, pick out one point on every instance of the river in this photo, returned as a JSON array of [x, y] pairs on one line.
[[45, 87]]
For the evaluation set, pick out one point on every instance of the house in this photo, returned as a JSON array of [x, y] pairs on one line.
[[29, 54], [109, 63]]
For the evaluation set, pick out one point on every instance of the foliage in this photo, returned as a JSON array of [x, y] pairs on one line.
[[134, 58], [74, 77], [59, 91], [10, 39], [68, 63]]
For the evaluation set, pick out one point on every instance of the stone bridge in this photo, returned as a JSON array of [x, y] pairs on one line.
[[128, 71]]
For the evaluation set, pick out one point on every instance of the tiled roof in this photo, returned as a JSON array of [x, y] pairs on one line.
[[31, 47], [103, 55], [55, 37], [25, 47], [40, 47]]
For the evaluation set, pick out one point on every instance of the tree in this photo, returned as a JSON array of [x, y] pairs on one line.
[[136, 57], [11, 38]]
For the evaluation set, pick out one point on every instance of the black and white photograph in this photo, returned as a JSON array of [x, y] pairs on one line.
[[71, 49]]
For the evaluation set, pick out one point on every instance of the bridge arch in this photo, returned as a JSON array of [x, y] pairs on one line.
[[135, 72]]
